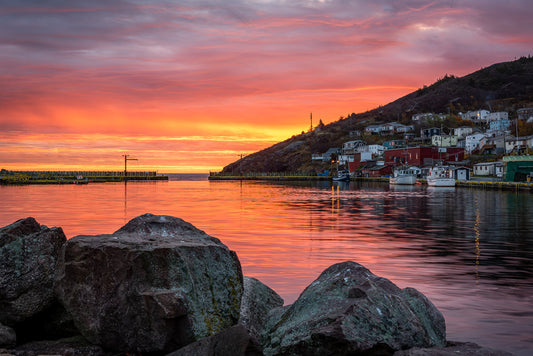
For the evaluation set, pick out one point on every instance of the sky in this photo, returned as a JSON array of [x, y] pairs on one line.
[[189, 86]]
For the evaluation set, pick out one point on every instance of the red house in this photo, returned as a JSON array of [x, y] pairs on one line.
[[424, 156]]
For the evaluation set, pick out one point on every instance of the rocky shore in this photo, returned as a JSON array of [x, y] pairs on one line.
[[159, 286]]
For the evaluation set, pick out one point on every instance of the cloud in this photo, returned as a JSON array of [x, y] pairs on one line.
[[137, 67]]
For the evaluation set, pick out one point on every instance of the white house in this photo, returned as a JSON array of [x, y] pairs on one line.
[[463, 131], [517, 143], [444, 140], [375, 129], [473, 142], [476, 116], [351, 146], [494, 169], [499, 115], [374, 149]]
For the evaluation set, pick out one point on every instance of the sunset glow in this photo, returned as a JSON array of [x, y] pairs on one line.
[[188, 86]]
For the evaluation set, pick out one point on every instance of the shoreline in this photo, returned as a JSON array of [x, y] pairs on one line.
[[493, 185]]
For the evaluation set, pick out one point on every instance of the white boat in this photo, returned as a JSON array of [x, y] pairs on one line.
[[440, 176], [342, 176], [405, 176]]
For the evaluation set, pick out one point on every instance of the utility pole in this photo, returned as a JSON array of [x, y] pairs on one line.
[[126, 159], [311, 129], [240, 162]]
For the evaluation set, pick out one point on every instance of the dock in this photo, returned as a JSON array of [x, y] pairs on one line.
[[75, 177], [493, 185]]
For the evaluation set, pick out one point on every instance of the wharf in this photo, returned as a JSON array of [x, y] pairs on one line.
[[75, 177], [494, 185]]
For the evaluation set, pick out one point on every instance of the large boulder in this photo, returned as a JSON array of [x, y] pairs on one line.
[[257, 303], [349, 310], [28, 256], [8, 337], [156, 284]]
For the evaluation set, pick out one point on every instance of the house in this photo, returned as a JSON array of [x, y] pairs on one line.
[[376, 150], [463, 131], [373, 129], [444, 140], [393, 144], [326, 157], [499, 125], [525, 114], [423, 155], [492, 169], [423, 117], [475, 116], [351, 146], [496, 116], [359, 160], [517, 144], [375, 169], [426, 134], [461, 173], [474, 142]]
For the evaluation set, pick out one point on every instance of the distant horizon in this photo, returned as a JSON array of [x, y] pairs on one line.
[[194, 85]]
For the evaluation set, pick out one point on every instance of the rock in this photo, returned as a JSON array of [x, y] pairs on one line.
[[8, 337], [155, 285], [28, 257], [453, 349], [258, 300], [75, 346], [349, 310], [234, 341]]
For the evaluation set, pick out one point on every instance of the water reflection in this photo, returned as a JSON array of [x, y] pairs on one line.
[[469, 251]]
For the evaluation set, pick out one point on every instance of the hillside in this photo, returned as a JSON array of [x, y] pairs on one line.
[[504, 86]]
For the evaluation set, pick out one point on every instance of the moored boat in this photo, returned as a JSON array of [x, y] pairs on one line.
[[440, 176], [405, 176], [342, 176]]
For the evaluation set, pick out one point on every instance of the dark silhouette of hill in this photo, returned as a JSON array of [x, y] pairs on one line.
[[505, 86]]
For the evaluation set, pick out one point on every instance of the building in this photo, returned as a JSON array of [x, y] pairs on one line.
[[444, 140], [351, 146], [424, 155], [518, 168], [463, 131], [496, 116], [326, 156], [499, 125], [492, 169], [376, 150], [393, 144], [474, 142], [475, 116], [426, 134], [525, 114]]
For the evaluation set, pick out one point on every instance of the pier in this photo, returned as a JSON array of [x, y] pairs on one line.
[[75, 177]]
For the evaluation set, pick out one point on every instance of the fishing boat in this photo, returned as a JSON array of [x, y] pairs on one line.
[[440, 176], [404, 176], [342, 176]]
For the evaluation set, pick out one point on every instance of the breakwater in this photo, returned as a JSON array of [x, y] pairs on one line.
[[75, 177]]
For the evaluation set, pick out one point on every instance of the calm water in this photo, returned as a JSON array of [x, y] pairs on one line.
[[469, 251]]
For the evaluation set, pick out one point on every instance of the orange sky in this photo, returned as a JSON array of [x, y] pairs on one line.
[[189, 87]]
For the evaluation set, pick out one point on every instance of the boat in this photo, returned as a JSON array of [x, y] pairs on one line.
[[342, 176], [440, 176], [404, 176]]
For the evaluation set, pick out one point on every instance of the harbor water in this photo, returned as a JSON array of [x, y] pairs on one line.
[[469, 250]]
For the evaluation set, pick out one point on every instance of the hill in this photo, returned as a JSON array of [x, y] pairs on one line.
[[505, 86]]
